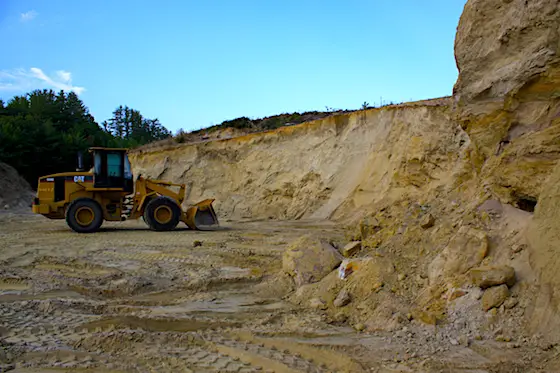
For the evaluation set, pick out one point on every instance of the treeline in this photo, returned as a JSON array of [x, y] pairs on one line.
[[41, 132]]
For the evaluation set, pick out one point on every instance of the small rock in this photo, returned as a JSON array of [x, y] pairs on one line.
[[485, 277], [46, 307], [427, 221], [197, 243], [426, 317], [342, 299], [517, 248], [351, 248], [502, 338], [494, 297], [401, 276], [464, 341], [456, 293], [359, 327], [454, 342], [498, 331], [340, 317], [510, 303], [317, 304]]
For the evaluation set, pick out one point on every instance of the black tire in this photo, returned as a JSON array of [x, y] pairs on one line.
[[84, 206], [162, 214], [145, 216]]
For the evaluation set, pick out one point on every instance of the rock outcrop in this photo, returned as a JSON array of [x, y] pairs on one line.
[[507, 100], [502, 45], [506, 96]]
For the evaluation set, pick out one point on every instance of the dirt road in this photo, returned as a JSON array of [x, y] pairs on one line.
[[127, 299]]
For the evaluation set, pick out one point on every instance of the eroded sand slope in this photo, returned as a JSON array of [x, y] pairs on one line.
[[330, 168]]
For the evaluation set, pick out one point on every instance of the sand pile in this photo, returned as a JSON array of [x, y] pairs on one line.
[[15, 192]]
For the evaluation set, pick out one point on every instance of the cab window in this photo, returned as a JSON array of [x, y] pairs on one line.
[[127, 168], [114, 165]]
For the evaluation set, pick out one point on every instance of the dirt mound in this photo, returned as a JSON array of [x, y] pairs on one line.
[[15, 192]]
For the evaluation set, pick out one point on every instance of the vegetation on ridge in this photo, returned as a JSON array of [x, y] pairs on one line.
[[41, 132]]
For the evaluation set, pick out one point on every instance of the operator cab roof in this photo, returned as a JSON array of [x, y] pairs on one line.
[[108, 149]]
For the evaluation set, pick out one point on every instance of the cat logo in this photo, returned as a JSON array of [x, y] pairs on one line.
[[79, 179]]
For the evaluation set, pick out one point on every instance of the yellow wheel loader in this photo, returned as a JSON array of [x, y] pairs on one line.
[[86, 199]]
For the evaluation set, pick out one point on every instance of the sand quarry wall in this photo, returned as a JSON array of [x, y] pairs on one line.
[[493, 148], [336, 167]]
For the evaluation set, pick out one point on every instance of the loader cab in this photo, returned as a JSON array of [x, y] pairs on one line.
[[111, 169]]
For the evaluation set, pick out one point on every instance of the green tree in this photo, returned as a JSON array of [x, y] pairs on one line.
[[42, 131]]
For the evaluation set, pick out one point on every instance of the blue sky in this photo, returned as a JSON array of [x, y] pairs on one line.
[[196, 63]]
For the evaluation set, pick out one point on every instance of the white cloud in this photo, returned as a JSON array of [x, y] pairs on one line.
[[35, 78], [28, 16], [64, 76]]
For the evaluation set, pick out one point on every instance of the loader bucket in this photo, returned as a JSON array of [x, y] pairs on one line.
[[201, 216]]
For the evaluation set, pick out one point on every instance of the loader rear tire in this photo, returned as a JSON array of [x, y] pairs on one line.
[[162, 214], [84, 215]]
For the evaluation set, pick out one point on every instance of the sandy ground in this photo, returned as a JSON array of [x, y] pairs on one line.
[[127, 299]]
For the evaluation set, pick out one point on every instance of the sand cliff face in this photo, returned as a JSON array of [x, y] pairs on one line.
[[477, 165], [336, 167]]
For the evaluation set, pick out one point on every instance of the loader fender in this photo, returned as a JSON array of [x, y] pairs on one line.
[[145, 200]]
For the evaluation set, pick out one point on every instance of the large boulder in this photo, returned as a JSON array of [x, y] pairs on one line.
[[309, 259], [494, 297], [466, 250], [486, 277]]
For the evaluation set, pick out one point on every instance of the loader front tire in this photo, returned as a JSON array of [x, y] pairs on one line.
[[84, 215], [162, 214]]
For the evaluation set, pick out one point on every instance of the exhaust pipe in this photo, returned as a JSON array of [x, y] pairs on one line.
[[80, 162]]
